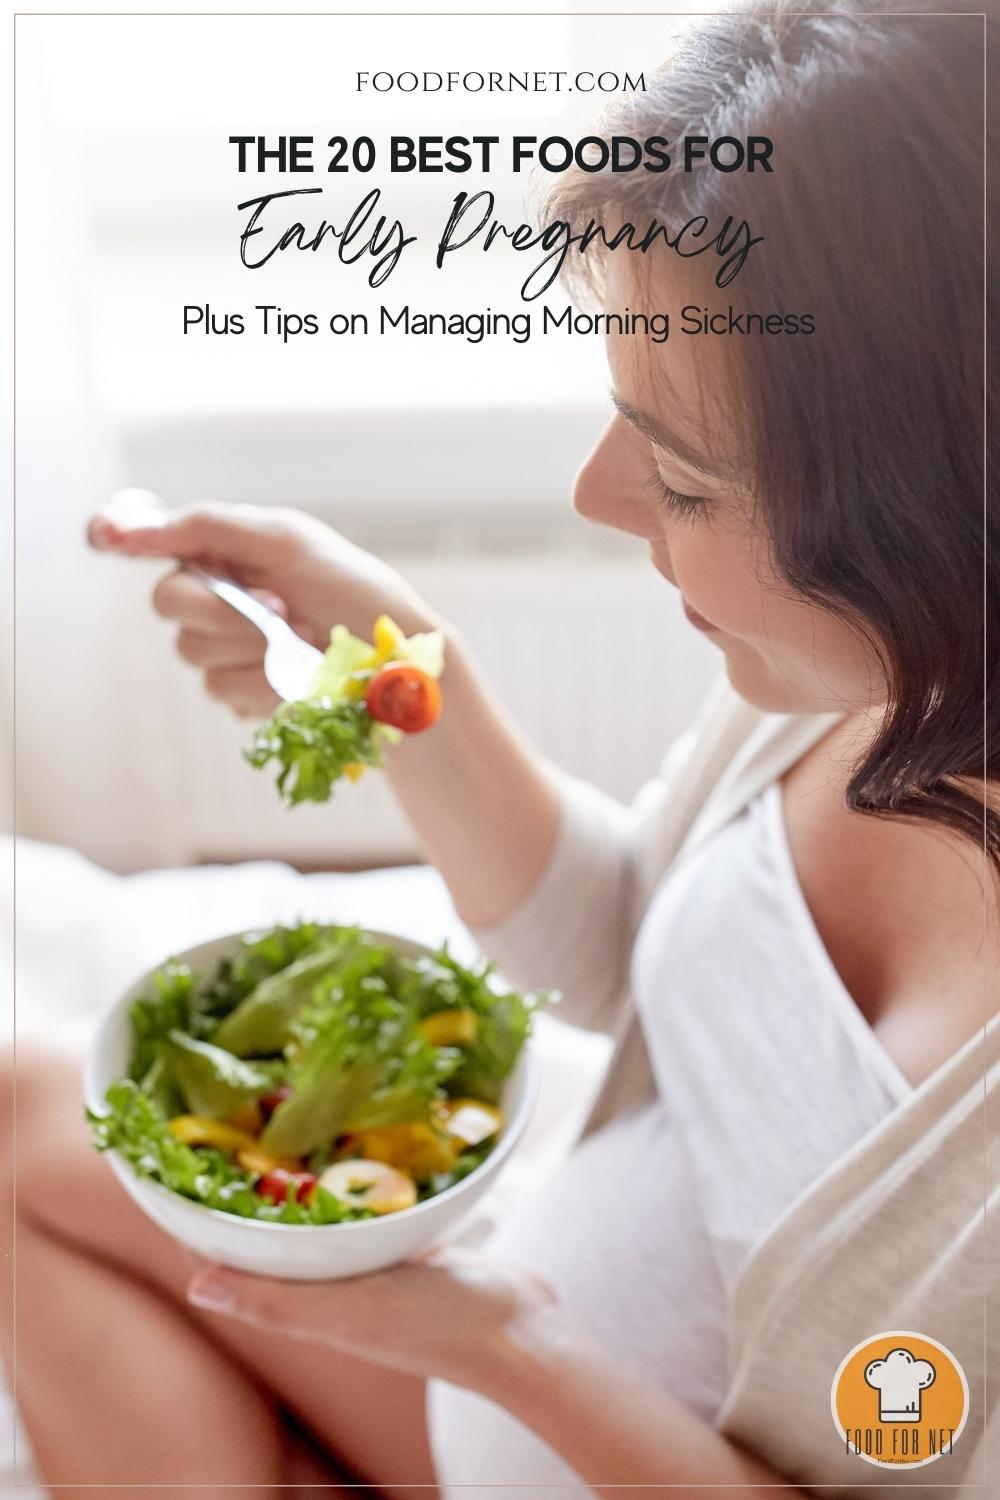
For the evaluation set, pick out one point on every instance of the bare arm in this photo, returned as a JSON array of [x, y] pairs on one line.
[[613, 1426], [494, 1329], [483, 803]]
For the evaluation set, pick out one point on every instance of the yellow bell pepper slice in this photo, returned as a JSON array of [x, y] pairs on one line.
[[353, 771], [450, 1028], [417, 1149], [253, 1159], [388, 638], [198, 1130], [248, 1117]]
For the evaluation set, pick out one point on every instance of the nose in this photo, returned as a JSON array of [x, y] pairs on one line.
[[611, 486]]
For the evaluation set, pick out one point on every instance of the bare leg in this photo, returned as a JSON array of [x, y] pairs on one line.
[[370, 1420], [116, 1387]]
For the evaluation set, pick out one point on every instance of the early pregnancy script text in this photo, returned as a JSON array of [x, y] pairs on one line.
[[368, 234]]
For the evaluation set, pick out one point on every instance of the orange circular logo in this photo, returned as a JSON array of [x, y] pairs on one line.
[[900, 1400]]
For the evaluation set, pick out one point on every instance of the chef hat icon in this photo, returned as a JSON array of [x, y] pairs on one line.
[[900, 1380]]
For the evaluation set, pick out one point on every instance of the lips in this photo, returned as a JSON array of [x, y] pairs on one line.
[[693, 617]]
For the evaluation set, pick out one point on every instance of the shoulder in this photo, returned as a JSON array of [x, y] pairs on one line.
[[900, 907]]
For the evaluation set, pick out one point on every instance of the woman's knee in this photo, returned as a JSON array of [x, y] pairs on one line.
[[6, 1092], [41, 1110], [6, 1119], [63, 1187], [35, 1074]]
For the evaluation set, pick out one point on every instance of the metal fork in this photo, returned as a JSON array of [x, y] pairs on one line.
[[290, 663]]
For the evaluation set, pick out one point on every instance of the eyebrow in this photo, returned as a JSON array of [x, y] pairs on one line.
[[657, 432]]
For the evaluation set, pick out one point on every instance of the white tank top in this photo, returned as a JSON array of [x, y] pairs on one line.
[[767, 1073]]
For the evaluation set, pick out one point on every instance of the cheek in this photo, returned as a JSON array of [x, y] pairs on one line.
[[816, 660], [716, 570]]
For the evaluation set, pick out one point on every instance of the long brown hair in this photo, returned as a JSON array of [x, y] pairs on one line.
[[866, 439]]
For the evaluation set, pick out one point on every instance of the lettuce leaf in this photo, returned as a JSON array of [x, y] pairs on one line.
[[500, 1035], [262, 1023], [345, 655], [425, 651], [359, 1062], [212, 1081], [161, 1086], [466, 1163], [261, 954], [134, 1127], [503, 1018], [318, 739], [180, 1011], [313, 743], [171, 1007]]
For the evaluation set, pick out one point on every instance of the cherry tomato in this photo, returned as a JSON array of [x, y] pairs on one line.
[[403, 696], [275, 1184], [269, 1102]]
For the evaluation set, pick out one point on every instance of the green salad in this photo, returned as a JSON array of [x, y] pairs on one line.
[[365, 696], [318, 1077]]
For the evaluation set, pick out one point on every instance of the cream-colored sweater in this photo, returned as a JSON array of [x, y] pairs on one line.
[[901, 1234]]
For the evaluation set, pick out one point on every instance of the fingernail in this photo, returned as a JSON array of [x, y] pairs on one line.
[[212, 1292]]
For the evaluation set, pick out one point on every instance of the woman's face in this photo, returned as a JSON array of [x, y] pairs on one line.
[[653, 474]]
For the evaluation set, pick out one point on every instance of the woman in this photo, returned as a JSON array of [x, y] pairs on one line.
[[785, 1158]]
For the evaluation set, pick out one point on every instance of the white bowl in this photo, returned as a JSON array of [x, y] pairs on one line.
[[295, 1252]]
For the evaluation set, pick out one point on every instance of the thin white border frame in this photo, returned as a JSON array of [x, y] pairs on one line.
[[489, 15]]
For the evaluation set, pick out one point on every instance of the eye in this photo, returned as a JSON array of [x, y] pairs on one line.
[[674, 500]]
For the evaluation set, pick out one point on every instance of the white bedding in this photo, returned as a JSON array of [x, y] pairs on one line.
[[83, 934]]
